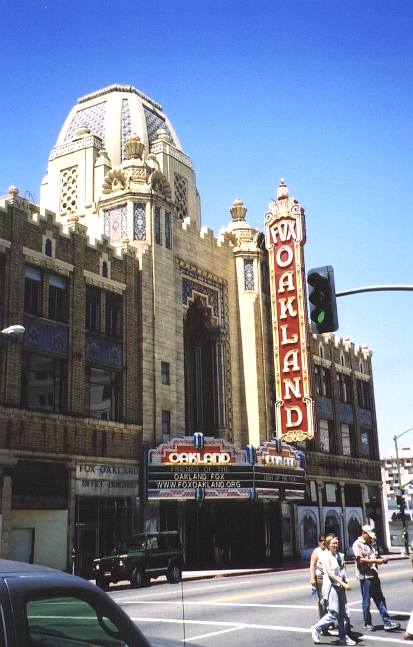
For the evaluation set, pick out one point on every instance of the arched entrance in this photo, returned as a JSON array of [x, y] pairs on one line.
[[204, 379]]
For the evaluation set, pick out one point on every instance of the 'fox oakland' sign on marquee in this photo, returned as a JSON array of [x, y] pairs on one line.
[[285, 238]]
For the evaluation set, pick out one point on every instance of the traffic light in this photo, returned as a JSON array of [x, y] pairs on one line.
[[400, 502], [322, 298]]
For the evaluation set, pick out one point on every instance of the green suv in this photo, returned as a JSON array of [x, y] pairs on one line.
[[140, 558]]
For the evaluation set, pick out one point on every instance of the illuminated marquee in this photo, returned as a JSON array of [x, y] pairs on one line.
[[285, 239], [177, 469]]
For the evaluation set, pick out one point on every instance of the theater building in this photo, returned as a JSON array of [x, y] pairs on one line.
[[143, 332]]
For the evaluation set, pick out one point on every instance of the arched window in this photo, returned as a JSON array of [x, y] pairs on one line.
[[321, 350], [105, 272], [48, 249], [204, 372]]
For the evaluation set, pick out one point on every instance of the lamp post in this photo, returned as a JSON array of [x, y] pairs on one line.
[[405, 532], [13, 332]]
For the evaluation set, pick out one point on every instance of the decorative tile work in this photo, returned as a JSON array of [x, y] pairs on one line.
[[249, 279], [213, 290], [168, 239], [158, 225], [68, 191], [153, 123], [139, 221], [101, 351], [116, 224], [181, 196], [46, 336], [92, 117], [126, 126]]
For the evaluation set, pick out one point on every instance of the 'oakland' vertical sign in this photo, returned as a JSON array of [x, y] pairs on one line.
[[285, 239]]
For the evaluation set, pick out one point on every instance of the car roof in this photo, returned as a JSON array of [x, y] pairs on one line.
[[9, 568]]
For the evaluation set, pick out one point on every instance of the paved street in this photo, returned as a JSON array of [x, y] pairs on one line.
[[257, 609]]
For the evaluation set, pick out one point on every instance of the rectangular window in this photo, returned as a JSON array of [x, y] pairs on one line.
[[158, 225], [166, 425], [345, 439], [92, 308], [33, 291], [57, 299], [102, 394], [165, 377], [139, 221], [249, 281], [363, 394], [322, 378], [324, 436], [113, 315], [168, 240], [331, 492], [344, 388], [42, 383], [365, 442]]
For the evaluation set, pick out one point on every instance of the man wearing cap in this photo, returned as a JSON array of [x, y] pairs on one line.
[[366, 570]]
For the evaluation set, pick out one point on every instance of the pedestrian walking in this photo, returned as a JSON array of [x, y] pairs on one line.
[[317, 572], [316, 579], [409, 629], [334, 590], [367, 561]]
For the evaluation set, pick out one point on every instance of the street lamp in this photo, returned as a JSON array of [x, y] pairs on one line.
[[405, 532], [14, 332]]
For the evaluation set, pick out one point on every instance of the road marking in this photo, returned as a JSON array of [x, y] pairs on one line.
[[243, 625], [167, 592], [214, 633], [263, 605]]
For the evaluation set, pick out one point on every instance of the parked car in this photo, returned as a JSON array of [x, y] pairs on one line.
[[49, 608], [140, 558]]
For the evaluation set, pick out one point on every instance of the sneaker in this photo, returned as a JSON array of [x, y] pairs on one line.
[[368, 628], [346, 641], [315, 635], [389, 626], [333, 632]]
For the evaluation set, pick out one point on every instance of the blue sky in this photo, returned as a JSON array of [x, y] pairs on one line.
[[317, 91]]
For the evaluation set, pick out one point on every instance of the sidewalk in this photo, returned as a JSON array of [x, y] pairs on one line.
[[288, 565]]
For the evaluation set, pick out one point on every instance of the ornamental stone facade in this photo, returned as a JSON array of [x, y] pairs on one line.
[[143, 326]]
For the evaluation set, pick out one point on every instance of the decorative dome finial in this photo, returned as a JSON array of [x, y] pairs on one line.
[[282, 191], [134, 147], [238, 211]]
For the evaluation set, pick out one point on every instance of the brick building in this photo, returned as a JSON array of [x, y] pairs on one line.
[[142, 326]]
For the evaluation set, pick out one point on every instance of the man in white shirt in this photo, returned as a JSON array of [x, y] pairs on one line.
[[368, 576]]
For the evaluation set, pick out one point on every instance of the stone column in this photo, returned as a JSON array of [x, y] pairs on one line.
[[76, 370], [364, 499], [71, 520], [132, 405], [344, 517], [320, 488], [6, 494]]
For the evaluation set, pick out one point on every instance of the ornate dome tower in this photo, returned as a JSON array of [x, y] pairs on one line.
[[117, 146]]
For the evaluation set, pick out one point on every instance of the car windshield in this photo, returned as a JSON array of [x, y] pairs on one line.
[[61, 621]]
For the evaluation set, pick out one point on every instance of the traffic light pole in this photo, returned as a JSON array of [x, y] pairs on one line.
[[377, 288], [405, 532]]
